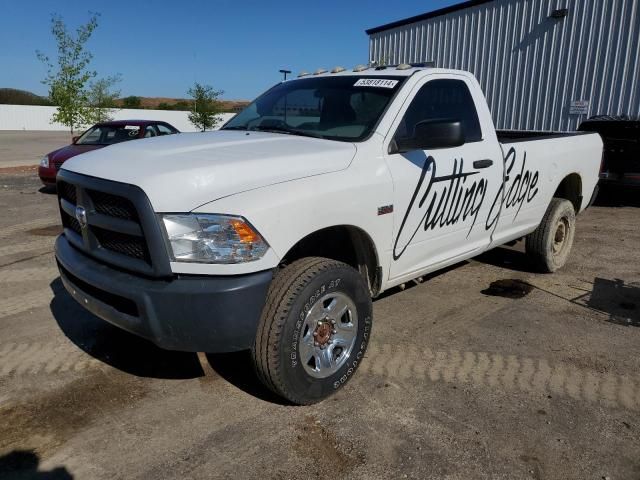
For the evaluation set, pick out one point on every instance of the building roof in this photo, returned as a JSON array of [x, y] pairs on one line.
[[424, 16]]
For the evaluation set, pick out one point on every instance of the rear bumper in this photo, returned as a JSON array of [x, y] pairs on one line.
[[187, 313], [620, 179]]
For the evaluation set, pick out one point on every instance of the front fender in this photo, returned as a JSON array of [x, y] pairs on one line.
[[287, 212]]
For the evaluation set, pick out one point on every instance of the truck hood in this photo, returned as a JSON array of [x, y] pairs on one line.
[[181, 172]]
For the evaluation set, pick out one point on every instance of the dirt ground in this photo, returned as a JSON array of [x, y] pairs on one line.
[[483, 371]]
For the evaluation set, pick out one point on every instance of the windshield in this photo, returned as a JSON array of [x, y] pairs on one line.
[[342, 108], [107, 135]]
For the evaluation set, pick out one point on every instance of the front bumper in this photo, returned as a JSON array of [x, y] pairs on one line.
[[187, 313], [47, 175]]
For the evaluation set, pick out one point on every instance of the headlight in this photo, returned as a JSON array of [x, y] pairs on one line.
[[45, 161], [213, 238]]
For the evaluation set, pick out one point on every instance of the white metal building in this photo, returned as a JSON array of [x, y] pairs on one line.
[[543, 64]]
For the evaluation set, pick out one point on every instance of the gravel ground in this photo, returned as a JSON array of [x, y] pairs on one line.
[[20, 148], [482, 371]]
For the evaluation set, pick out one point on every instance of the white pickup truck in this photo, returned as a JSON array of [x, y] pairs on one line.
[[274, 233]]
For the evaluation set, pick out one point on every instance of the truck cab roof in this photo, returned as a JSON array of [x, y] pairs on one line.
[[379, 71], [120, 123]]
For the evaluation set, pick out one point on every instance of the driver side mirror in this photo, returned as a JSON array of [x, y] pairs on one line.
[[75, 139], [428, 134]]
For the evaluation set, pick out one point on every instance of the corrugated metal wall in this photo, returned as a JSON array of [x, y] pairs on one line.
[[531, 66]]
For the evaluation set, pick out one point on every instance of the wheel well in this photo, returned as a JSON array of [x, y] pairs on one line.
[[571, 189], [344, 243]]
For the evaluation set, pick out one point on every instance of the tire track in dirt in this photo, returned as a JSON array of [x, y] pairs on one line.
[[46, 422], [511, 373], [23, 227], [17, 359], [34, 247], [23, 303], [35, 274]]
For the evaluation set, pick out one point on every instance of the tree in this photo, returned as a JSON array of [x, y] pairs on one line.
[[102, 99], [206, 107], [182, 106], [131, 102], [69, 79]]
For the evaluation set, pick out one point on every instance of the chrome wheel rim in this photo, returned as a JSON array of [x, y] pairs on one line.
[[328, 335]]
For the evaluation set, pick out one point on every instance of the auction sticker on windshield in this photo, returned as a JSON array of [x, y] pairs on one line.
[[376, 82]]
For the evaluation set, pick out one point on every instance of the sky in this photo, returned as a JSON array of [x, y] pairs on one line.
[[161, 47]]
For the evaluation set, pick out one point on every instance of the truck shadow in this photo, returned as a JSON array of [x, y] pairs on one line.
[[237, 369], [48, 190], [23, 464], [613, 297], [618, 197], [415, 282], [118, 348], [506, 257], [136, 356]]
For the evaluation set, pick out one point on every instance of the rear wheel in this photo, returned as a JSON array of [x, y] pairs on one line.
[[549, 245], [314, 329]]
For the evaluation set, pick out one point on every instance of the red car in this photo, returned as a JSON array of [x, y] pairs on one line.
[[99, 136]]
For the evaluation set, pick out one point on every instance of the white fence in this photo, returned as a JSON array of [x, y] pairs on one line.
[[28, 117]]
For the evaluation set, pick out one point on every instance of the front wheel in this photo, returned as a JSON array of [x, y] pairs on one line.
[[549, 245], [314, 329]]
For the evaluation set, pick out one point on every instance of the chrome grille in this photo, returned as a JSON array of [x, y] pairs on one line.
[[70, 222], [113, 205], [121, 228], [129, 245], [67, 191]]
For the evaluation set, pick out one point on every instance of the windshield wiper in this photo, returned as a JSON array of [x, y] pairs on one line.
[[234, 128], [287, 131]]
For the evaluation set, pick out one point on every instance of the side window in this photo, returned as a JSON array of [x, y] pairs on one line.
[[149, 131], [164, 130], [443, 99], [93, 136]]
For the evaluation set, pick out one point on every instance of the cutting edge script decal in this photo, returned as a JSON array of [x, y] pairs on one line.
[[461, 198]]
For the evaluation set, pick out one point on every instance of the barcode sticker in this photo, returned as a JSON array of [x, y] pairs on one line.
[[376, 82]]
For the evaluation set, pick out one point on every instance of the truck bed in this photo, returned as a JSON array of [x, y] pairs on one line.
[[549, 155], [513, 136]]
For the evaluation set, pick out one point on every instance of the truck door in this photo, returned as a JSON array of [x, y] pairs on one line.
[[442, 196]]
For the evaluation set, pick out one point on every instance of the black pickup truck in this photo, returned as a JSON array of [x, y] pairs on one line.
[[621, 155]]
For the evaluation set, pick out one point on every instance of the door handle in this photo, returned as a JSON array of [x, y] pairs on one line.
[[482, 163]]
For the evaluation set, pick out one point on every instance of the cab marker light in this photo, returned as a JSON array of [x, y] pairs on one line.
[[338, 69]]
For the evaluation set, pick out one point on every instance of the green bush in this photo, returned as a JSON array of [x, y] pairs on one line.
[[131, 102]]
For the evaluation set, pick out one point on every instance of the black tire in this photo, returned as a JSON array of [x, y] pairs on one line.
[[549, 245], [295, 290]]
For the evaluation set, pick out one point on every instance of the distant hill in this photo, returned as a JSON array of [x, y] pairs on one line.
[[13, 96], [167, 103]]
